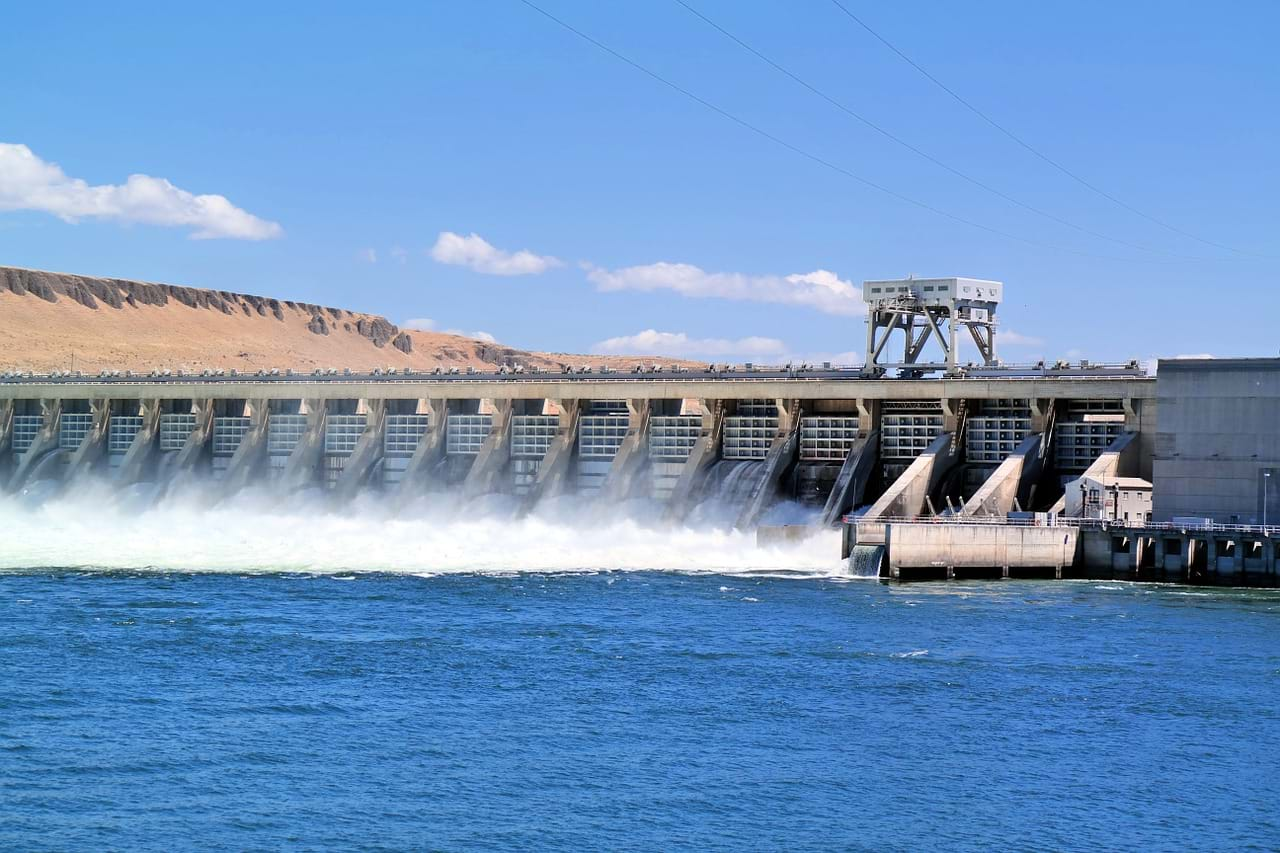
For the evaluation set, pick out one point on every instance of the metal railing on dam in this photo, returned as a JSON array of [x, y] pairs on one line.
[[811, 385]]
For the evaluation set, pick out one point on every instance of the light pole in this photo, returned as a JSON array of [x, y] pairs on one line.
[[1266, 478]]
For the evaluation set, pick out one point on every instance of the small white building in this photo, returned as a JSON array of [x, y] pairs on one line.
[[1123, 499]]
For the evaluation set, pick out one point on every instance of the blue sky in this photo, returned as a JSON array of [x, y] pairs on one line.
[[345, 143]]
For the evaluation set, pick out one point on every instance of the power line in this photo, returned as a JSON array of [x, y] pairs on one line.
[[907, 145], [802, 152], [1020, 141]]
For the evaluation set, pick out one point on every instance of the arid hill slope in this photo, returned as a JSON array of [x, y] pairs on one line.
[[60, 321]]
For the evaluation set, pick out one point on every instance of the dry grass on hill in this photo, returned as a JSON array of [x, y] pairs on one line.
[[55, 321]]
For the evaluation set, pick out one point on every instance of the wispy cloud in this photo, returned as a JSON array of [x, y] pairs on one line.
[[1015, 339], [753, 348], [369, 256], [681, 345], [476, 335], [29, 183], [426, 324], [820, 289], [477, 253]]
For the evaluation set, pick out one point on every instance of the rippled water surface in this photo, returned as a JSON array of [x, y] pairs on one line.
[[632, 710]]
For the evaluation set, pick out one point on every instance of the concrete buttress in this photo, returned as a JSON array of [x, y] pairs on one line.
[[631, 455], [367, 452], [782, 454], [851, 483], [303, 465], [997, 495], [907, 496], [248, 458], [136, 459], [430, 450], [484, 476], [94, 445], [553, 473]]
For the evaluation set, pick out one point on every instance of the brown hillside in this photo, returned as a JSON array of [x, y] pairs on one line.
[[58, 321]]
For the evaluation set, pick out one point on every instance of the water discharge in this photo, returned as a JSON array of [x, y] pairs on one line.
[[95, 527]]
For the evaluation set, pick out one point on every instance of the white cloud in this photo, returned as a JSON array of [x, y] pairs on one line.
[[680, 345], [400, 254], [480, 255], [369, 256], [1014, 339], [651, 342], [426, 324], [29, 183], [477, 335], [820, 289]]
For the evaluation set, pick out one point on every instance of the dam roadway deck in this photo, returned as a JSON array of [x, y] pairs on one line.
[[817, 385]]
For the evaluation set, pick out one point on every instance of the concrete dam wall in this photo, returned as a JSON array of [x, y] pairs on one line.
[[741, 442]]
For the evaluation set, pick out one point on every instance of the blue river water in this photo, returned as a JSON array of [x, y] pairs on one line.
[[632, 711]]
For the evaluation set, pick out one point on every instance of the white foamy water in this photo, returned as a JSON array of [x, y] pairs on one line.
[[260, 532]]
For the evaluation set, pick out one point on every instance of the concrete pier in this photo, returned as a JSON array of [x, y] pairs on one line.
[[962, 548]]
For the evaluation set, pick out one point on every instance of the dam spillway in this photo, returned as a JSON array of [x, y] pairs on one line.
[[670, 438]]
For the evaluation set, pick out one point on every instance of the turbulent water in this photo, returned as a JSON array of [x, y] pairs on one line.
[[288, 678], [260, 532]]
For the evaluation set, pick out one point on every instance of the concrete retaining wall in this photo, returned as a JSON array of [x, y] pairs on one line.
[[979, 546]]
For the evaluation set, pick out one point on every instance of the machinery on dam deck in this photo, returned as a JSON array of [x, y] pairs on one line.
[[831, 439]]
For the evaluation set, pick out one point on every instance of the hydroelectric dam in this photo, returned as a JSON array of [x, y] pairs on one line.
[[929, 468]]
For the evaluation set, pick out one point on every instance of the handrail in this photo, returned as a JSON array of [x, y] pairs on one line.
[[1060, 521]]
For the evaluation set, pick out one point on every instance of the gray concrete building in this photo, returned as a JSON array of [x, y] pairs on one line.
[[1217, 444]]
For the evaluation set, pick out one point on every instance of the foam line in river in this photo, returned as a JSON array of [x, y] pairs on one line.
[[260, 532]]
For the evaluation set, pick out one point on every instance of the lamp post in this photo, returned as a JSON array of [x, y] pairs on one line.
[[1266, 478]]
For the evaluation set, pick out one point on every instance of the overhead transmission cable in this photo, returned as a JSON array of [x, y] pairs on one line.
[[1031, 148], [808, 155], [913, 149]]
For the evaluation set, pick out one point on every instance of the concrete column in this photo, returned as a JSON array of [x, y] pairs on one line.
[[251, 453], [1041, 413], [45, 442], [782, 455], [557, 464], [302, 468], [367, 453], [484, 476], [428, 453], [91, 450], [134, 465], [632, 455], [6, 425], [851, 483], [868, 416], [6, 440], [193, 449], [705, 451]]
